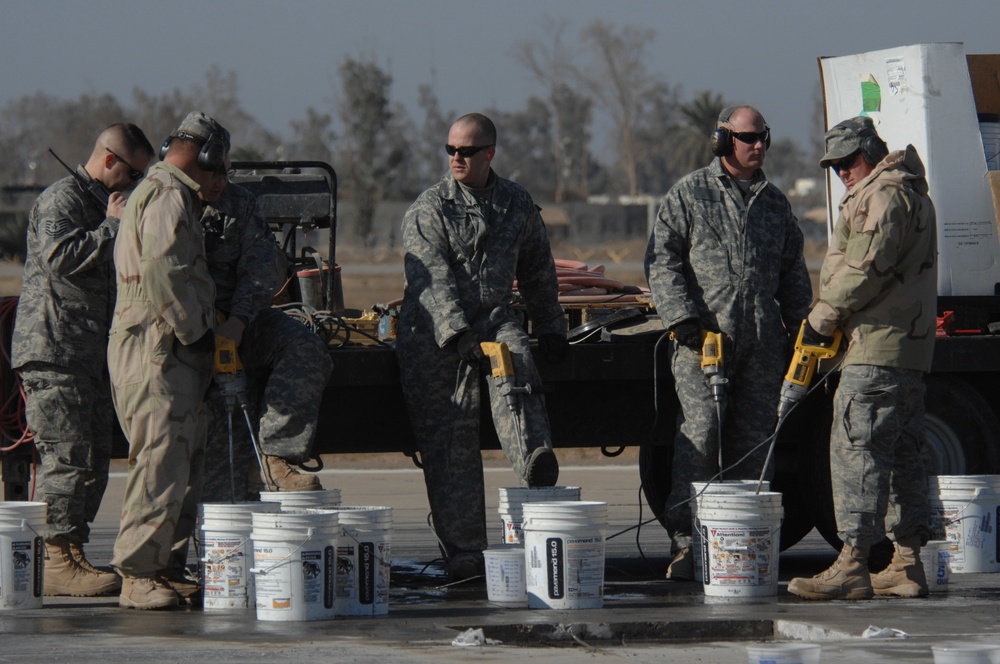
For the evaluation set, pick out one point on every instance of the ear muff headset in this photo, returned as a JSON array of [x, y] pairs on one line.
[[721, 139], [874, 150], [212, 155]]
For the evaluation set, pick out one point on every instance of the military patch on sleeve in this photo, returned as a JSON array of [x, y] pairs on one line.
[[706, 194], [57, 227]]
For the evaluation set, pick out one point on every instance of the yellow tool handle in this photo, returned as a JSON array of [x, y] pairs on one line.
[[805, 358], [501, 365], [227, 360], [711, 349]]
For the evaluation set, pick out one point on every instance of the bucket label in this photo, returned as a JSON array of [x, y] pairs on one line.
[[312, 577], [39, 570], [274, 586], [225, 572], [329, 576], [366, 573], [739, 556], [24, 570], [554, 566]]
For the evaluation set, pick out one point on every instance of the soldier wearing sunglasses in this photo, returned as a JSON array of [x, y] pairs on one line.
[[879, 285], [60, 347], [467, 239], [725, 256]]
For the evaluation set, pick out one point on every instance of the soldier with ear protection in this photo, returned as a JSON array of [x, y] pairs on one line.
[[725, 256]]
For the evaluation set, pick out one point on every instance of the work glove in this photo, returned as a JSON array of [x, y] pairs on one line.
[[687, 333], [468, 347], [810, 337], [554, 347]]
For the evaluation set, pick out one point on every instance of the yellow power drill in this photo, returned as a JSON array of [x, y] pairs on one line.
[[231, 384], [801, 370], [502, 371], [714, 368]]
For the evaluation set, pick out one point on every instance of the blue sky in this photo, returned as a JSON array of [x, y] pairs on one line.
[[286, 53]]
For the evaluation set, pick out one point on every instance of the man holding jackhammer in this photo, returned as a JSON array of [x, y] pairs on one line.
[[879, 285], [286, 366], [467, 238], [725, 256]]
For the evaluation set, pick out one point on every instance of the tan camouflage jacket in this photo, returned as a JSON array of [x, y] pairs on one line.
[[162, 273], [879, 279]]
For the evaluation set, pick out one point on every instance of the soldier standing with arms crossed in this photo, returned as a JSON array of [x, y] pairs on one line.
[[60, 347], [160, 359]]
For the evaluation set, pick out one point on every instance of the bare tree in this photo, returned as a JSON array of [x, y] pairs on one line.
[[550, 62], [372, 152], [312, 137], [619, 79], [432, 135]]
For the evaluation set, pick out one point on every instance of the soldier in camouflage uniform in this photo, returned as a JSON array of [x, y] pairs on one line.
[[160, 358], [725, 255], [286, 364], [467, 239], [60, 347], [879, 285]]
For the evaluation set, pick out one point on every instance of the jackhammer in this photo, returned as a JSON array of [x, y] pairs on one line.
[[231, 384]]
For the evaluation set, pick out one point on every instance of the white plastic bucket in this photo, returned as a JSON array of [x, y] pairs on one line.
[[513, 498], [505, 578], [721, 486], [295, 558], [966, 653], [564, 554], [364, 561], [935, 557], [740, 538], [783, 653], [301, 500], [227, 554], [964, 510], [22, 554]]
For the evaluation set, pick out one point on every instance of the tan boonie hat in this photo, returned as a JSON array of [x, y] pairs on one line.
[[845, 138], [197, 125]]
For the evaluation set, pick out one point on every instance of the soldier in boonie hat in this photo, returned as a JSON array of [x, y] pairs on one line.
[[846, 138], [199, 126]]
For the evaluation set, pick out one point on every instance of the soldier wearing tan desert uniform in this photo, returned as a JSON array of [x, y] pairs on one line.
[[160, 358], [725, 255], [60, 347], [879, 285]]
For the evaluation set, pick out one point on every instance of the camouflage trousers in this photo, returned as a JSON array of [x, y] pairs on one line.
[[71, 418], [161, 410], [287, 369], [876, 468], [749, 420], [442, 395]]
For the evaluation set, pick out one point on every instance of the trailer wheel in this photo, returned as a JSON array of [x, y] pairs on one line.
[[963, 437], [655, 462]]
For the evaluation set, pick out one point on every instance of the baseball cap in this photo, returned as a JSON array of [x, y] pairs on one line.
[[198, 125], [845, 138]]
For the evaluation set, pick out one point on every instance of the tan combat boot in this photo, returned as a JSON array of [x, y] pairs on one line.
[[145, 594], [279, 476], [64, 575], [904, 577], [76, 549], [847, 578]]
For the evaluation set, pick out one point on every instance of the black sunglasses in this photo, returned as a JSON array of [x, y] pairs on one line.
[[133, 172], [465, 152], [751, 137], [846, 163]]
